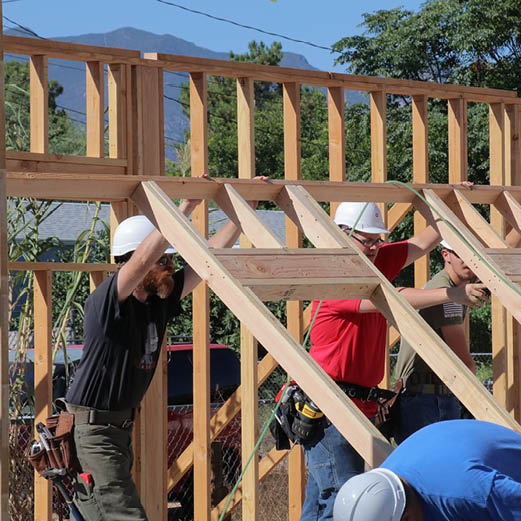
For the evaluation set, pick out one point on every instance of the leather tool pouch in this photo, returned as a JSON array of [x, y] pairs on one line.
[[61, 453]]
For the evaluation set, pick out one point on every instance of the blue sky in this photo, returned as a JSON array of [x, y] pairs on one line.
[[320, 22]]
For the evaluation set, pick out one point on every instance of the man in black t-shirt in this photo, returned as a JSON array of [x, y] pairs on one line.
[[125, 321]]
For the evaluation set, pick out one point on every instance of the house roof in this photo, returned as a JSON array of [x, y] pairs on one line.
[[69, 220]]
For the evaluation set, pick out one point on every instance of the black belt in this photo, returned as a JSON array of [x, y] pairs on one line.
[[366, 394], [91, 416]]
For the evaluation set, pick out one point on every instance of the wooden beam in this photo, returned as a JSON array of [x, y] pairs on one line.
[[86, 187], [243, 215], [396, 213], [153, 131], [88, 267], [293, 171], [42, 379], [152, 422], [96, 278], [249, 348], [457, 123], [412, 327], [510, 209], [324, 79], [474, 221], [339, 409], [201, 308], [471, 252], [39, 104], [311, 288], [117, 105], [95, 108], [420, 153], [53, 163], [66, 50], [379, 136], [337, 134], [272, 263], [499, 318], [509, 260]]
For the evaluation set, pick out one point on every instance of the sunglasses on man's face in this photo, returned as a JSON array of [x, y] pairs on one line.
[[165, 259]]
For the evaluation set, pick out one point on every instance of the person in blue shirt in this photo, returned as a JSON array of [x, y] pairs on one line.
[[456, 470]]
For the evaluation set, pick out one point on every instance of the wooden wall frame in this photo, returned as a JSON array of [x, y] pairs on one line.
[[132, 175]]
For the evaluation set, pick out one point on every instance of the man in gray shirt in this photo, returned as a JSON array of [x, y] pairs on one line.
[[426, 399]]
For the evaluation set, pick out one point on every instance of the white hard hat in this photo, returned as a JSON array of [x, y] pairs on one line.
[[446, 245], [130, 233], [377, 495], [369, 217]]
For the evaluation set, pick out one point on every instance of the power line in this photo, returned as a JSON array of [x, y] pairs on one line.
[[311, 44], [26, 29]]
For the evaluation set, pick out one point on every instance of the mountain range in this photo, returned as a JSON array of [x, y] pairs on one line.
[[71, 74]]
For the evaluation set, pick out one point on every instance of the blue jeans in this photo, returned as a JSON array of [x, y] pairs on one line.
[[330, 462], [418, 410]]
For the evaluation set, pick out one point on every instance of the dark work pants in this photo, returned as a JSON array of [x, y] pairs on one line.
[[105, 452]]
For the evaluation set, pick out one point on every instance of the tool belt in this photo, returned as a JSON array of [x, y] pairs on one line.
[[297, 418], [89, 415], [426, 383], [365, 394], [57, 450]]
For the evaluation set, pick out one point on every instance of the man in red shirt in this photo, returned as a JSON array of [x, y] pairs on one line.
[[348, 342]]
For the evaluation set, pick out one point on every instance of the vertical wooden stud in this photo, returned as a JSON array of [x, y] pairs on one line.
[[293, 172], [201, 308], [120, 128], [95, 106], [39, 104], [497, 177], [458, 156], [153, 411], [457, 129], [117, 108], [420, 144], [378, 135], [337, 137], [42, 379], [379, 174], [96, 278], [513, 328], [152, 111], [249, 351]]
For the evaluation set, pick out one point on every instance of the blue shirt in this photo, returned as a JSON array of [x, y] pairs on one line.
[[463, 470]]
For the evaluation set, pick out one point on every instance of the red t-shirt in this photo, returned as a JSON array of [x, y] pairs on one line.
[[348, 345]]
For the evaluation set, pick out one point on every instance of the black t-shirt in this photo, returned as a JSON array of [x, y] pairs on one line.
[[122, 346]]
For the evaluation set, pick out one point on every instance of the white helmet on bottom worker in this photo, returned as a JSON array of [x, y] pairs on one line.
[[363, 217], [130, 233], [377, 495]]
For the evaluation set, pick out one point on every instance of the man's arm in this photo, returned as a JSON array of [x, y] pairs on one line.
[[421, 244], [472, 295], [455, 338], [146, 254]]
